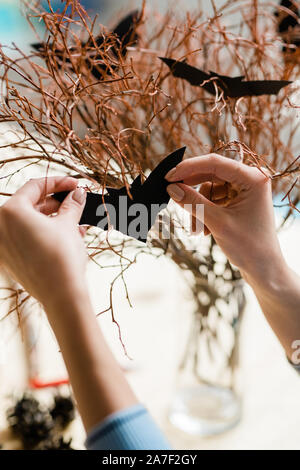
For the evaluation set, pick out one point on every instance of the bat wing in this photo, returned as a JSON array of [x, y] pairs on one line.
[[226, 79], [59, 54], [60, 197], [93, 200], [125, 30], [229, 81], [112, 191], [126, 34], [154, 188], [258, 88], [38, 46], [153, 191], [89, 214], [286, 20], [109, 205], [136, 184], [227, 84], [191, 74], [236, 87]]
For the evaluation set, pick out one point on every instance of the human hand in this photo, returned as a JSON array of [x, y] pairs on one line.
[[47, 256], [238, 209], [44, 254]]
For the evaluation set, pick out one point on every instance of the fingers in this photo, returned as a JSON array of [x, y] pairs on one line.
[[214, 168], [51, 206], [37, 189], [48, 206], [82, 230], [73, 205], [193, 202]]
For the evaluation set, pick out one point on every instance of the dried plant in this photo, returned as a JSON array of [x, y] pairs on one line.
[[108, 130]]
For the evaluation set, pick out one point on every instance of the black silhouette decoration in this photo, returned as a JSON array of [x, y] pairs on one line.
[[288, 25], [135, 213], [29, 422], [56, 444], [40, 428], [63, 411], [233, 87], [125, 35]]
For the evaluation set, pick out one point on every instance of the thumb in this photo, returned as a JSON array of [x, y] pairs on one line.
[[73, 205], [192, 201]]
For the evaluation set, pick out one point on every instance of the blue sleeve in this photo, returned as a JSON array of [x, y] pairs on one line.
[[129, 429]]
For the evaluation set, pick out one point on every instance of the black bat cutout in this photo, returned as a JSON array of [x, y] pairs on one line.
[[118, 209], [288, 24], [233, 87], [126, 35]]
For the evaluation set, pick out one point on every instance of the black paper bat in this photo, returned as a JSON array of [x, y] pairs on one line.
[[233, 87], [288, 23], [135, 215], [287, 20], [125, 33]]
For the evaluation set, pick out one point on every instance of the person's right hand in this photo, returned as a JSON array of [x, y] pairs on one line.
[[238, 209]]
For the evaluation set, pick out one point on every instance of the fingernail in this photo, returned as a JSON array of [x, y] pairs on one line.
[[79, 195], [170, 176], [175, 192]]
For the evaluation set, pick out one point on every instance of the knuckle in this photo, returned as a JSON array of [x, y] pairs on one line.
[[213, 157], [34, 181], [213, 161], [261, 176], [193, 199]]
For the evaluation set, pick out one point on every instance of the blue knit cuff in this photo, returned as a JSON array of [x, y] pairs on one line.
[[129, 429]]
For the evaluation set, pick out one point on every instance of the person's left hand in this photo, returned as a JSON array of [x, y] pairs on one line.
[[44, 254]]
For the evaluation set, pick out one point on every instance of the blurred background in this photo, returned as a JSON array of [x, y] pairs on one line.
[[155, 329]]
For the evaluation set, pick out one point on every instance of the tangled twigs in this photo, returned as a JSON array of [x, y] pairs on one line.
[[105, 116]]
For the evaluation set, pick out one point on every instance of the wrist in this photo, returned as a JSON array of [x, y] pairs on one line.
[[269, 274], [71, 298]]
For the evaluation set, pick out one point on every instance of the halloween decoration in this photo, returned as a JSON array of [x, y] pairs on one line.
[[288, 23], [63, 411], [233, 87], [115, 207], [40, 428], [29, 422], [123, 35], [107, 133]]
